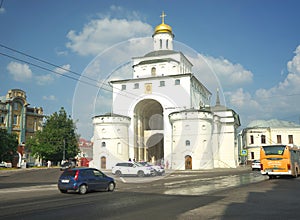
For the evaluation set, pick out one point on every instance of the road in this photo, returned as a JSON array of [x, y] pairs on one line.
[[219, 194]]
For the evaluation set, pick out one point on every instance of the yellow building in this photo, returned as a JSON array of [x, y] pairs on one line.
[[17, 117]]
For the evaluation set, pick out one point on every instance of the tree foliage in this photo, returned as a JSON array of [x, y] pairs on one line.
[[57, 140], [8, 145]]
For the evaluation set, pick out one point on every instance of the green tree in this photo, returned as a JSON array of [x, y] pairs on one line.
[[57, 140], [8, 145]]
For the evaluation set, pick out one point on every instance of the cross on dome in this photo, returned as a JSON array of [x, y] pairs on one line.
[[163, 15]]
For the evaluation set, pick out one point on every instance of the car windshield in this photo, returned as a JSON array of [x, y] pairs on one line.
[[274, 149]]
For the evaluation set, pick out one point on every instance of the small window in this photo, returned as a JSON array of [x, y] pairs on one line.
[[160, 43], [263, 139], [291, 141], [251, 139], [15, 120], [15, 106], [123, 87], [162, 83], [252, 155], [153, 71], [2, 117], [136, 85], [167, 44], [187, 143], [103, 144], [177, 82], [278, 139]]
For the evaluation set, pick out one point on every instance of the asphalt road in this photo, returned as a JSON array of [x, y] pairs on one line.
[[218, 194]]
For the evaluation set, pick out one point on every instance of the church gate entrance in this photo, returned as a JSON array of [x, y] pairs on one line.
[[148, 131]]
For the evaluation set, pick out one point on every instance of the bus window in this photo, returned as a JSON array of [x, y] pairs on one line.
[[274, 149]]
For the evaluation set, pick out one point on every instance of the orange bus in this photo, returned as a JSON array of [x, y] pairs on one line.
[[278, 160]]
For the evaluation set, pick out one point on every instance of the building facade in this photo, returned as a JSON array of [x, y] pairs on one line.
[[261, 132], [163, 115], [17, 117]]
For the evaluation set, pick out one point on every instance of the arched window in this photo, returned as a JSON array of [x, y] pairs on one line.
[[167, 44], [187, 143], [160, 43], [263, 139], [103, 144], [153, 71]]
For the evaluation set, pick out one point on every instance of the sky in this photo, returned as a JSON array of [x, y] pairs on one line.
[[63, 53]]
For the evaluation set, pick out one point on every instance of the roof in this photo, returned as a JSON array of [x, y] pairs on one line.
[[160, 53], [273, 123]]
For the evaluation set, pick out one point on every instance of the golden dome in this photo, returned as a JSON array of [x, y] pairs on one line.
[[163, 28]]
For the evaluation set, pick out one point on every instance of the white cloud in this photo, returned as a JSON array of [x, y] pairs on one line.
[[63, 69], [294, 65], [49, 98], [98, 35], [228, 73], [20, 72], [2, 10], [279, 101], [44, 79]]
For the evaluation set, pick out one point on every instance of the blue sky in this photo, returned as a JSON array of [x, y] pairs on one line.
[[253, 47]]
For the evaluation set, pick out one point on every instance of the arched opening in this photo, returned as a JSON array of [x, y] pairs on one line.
[[188, 162], [103, 162], [148, 131], [153, 71], [155, 148]]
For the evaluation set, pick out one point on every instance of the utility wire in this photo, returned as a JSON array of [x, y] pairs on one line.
[[123, 93]]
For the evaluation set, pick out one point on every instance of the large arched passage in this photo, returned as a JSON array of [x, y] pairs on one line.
[[148, 131]]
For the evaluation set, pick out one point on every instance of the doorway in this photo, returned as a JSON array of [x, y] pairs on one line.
[[188, 162]]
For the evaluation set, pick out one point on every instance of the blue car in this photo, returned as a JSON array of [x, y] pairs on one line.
[[84, 179]]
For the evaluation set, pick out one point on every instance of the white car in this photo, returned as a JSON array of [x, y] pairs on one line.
[[158, 170], [133, 169], [255, 165]]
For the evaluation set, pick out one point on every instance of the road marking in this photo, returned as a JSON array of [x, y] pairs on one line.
[[29, 188]]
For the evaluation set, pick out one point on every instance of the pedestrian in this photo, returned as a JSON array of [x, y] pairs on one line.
[[49, 163]]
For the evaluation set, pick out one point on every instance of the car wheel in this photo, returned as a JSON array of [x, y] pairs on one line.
[[118, 173], [140, 173], [63, 191], [111, 187], [83, 189]]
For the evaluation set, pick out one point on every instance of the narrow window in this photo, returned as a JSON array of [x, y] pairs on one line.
[[278, 139], [15, 120], [263, 139], [291, 139], [160, 43], [252, 155], [2, 116], [15, 106], [167, 44], [251, 139], [177, 82], [187, 143], [153, 71]]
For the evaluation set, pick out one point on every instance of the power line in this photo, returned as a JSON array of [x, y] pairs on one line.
[[94, 84]]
